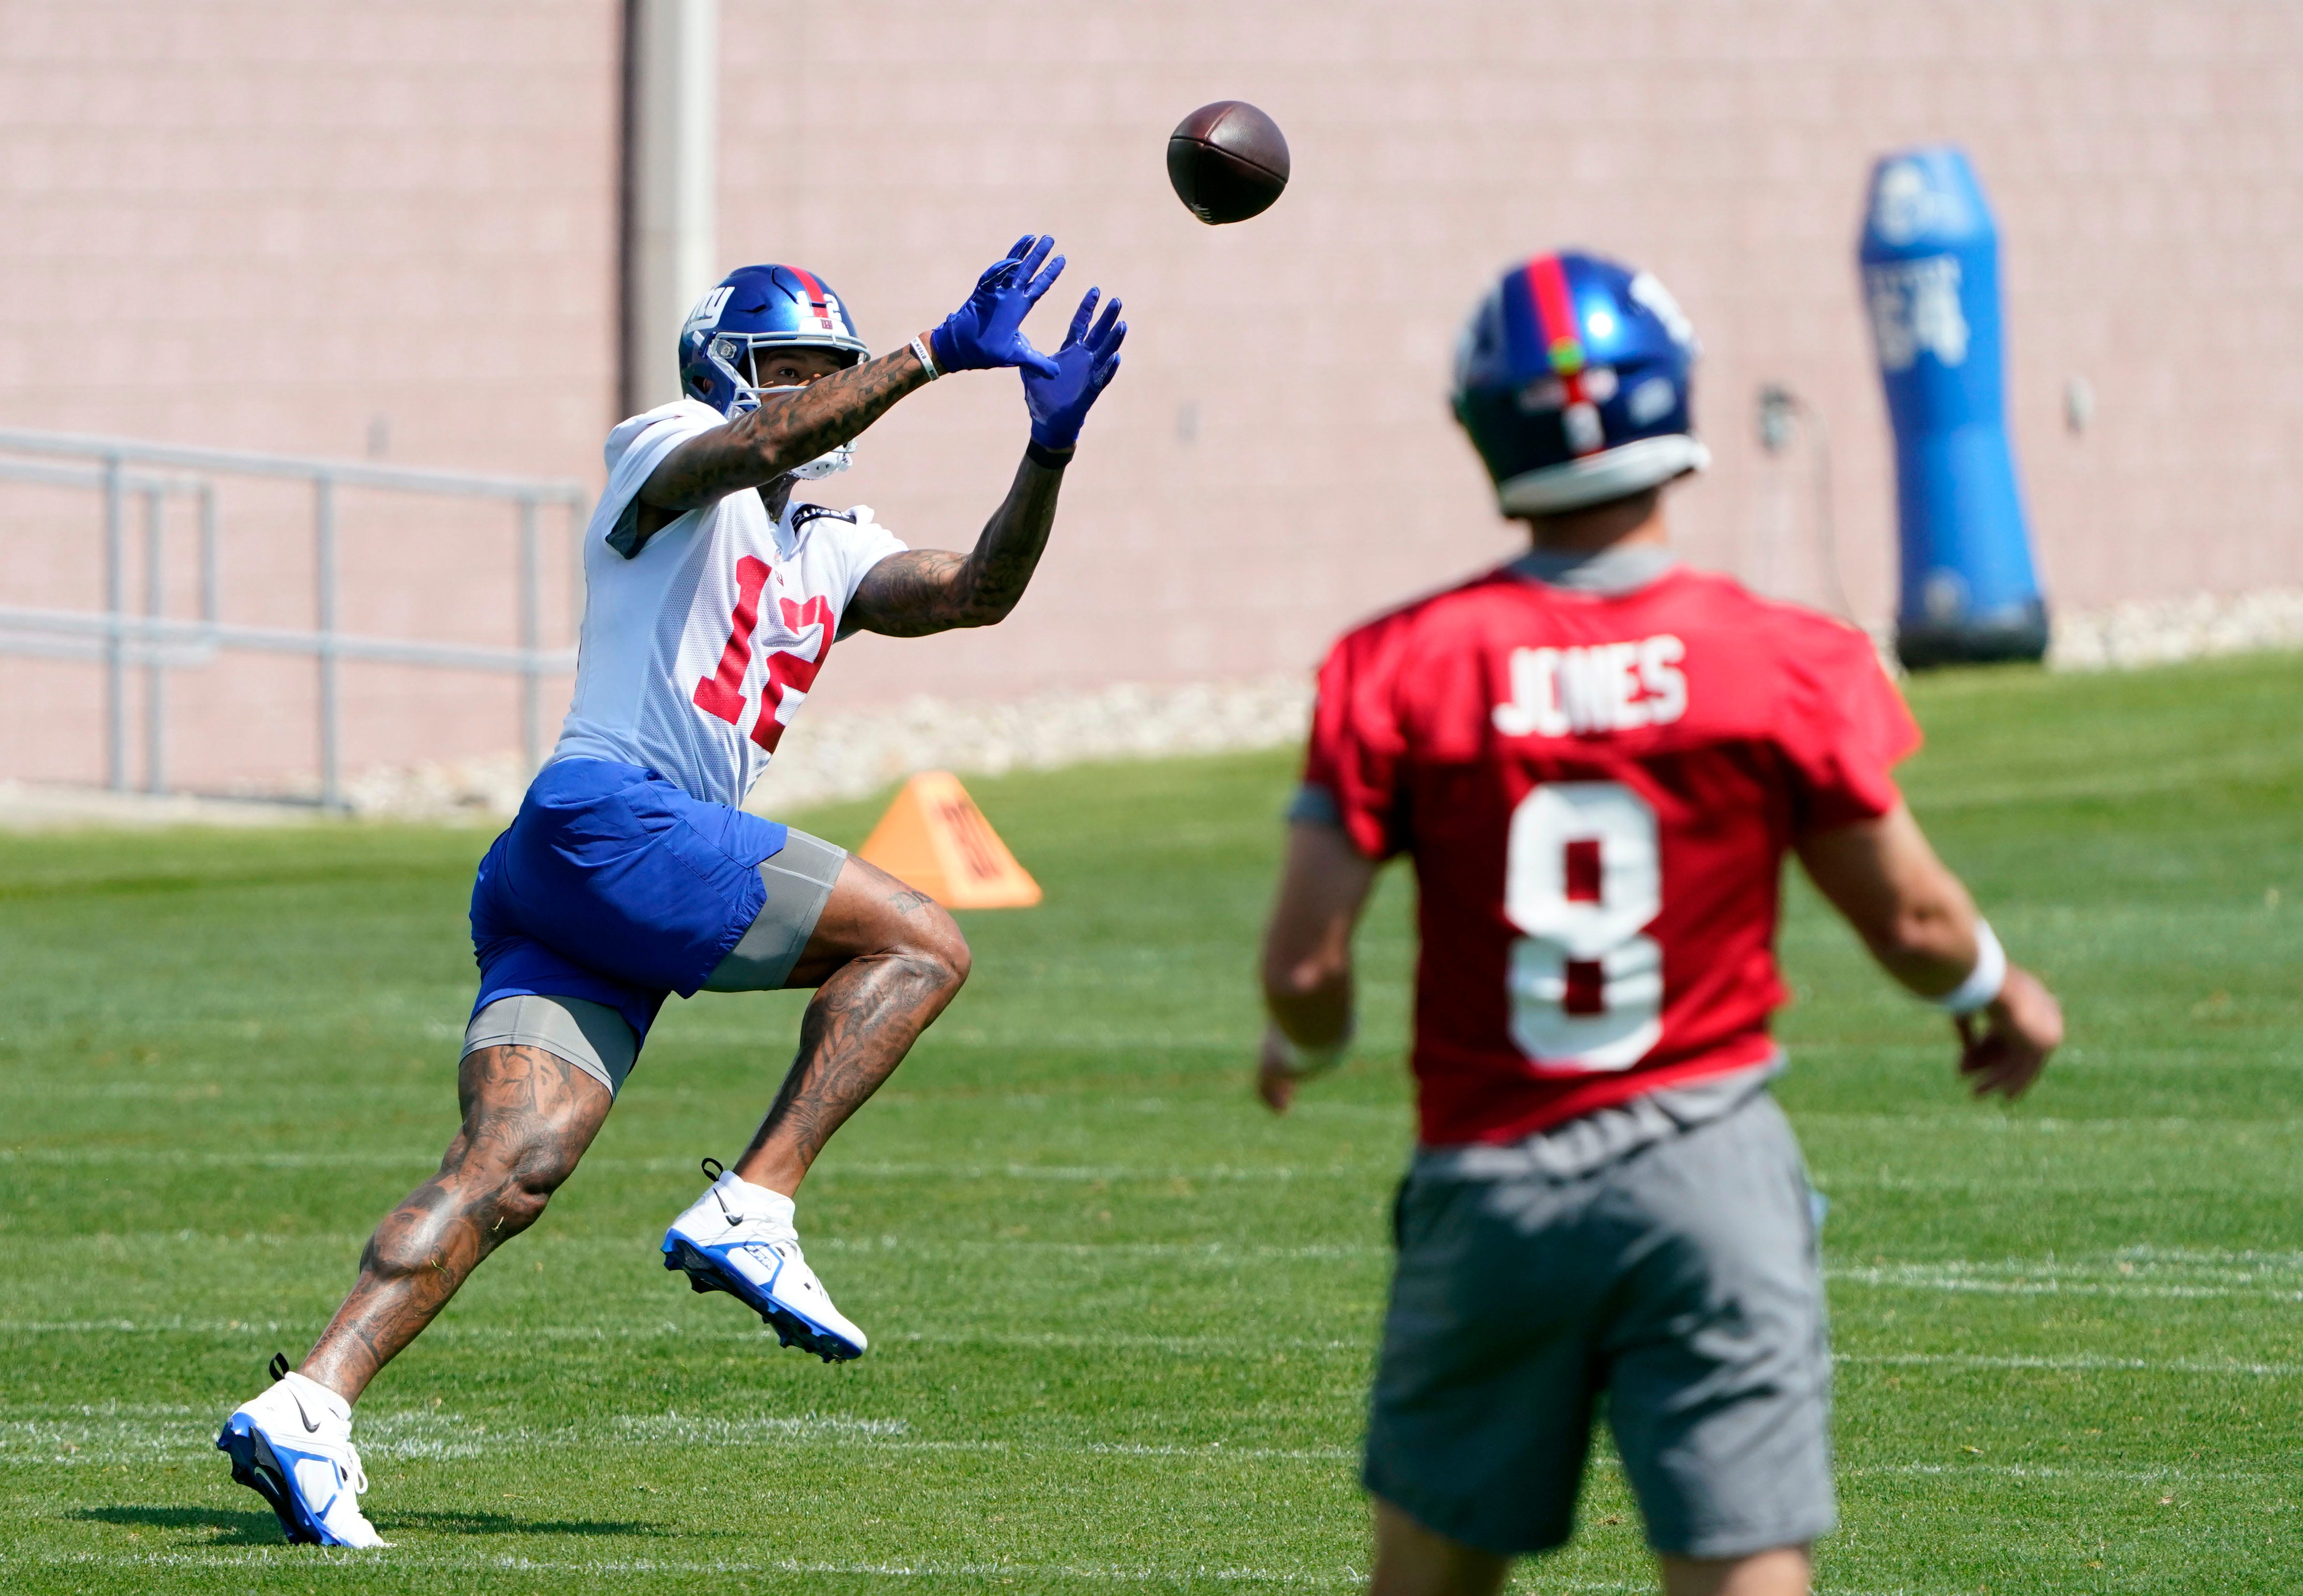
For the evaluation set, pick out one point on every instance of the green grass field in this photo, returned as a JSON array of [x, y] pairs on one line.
[[1122, 1319]]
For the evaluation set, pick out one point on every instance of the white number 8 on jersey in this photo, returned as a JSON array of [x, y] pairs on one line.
[[1582, 878]]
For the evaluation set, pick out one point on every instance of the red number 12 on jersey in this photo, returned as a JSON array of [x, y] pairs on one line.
[[720, 694]]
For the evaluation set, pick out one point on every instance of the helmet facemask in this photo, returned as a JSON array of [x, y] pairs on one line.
[[764, 309], [738, 355]]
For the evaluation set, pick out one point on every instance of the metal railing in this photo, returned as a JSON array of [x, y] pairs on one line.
[[119, 639]]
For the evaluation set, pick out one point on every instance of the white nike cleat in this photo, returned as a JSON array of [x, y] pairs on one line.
[[738, 1238], [293, 1445]]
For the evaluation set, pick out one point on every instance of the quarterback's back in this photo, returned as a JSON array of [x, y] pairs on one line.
[[1598, 760], [1597, 780]]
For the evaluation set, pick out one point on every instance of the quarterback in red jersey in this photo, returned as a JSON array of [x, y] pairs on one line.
[[1598, 760]]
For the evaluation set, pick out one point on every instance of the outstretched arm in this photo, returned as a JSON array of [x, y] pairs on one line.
[[788, 430], [1917, 920], [922, 591], [930, 590], [1307, 957]]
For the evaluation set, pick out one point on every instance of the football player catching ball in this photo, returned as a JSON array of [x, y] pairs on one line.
[[1598, 759], [711, 601]]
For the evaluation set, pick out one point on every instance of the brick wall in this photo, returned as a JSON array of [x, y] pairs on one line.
[[269, 225], [325, 229]]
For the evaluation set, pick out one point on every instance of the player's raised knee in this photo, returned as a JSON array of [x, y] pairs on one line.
[[521, 1195], [934, 938], [873, 914]]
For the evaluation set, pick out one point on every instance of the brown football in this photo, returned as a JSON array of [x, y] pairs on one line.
[[1228, 161]]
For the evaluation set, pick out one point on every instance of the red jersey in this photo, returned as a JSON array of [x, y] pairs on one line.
[[1597, 791]]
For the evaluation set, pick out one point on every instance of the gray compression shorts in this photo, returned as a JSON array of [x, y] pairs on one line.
[[799, 880], [1681, 1280], [590, 1035], [595, 1039]]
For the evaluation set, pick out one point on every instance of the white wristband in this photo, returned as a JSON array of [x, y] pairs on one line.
[[1301, 1062], [1984, 981], [927, 358]]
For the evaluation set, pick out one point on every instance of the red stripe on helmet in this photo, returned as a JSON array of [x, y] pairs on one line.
[[1555, 314], [1561, 332], [818, 295]]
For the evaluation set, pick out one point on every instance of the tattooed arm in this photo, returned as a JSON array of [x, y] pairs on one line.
[[927, 590], [931, 590], [787, 429]]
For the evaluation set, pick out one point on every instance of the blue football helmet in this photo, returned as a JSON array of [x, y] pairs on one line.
[[757, 308], [1571, 378]]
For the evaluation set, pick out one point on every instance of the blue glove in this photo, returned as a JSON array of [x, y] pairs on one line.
[[1059, 401], [988, 330]]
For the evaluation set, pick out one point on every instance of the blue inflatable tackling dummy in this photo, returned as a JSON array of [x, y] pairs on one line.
[[1930, 266]]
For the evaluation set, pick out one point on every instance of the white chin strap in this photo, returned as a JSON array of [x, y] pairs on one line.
[[1610, 474], [825, 464], [831, 461]]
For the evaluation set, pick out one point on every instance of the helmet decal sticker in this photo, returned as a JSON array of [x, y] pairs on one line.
[[708, 309], [1648, 289], [1651, 401], [1573, 381]]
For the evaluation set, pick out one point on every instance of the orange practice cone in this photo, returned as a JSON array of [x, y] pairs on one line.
[[934, 838]]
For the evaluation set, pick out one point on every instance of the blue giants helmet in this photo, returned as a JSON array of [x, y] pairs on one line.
[[1572, 379], [758, 307]]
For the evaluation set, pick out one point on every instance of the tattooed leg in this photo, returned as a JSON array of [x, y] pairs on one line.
[[884, 961], [529, 1115]]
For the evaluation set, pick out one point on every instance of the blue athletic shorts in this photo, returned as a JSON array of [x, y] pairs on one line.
[[615, 885]]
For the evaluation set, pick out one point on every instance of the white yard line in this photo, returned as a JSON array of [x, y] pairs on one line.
[[2218, 1256], [1209, 1252], [1065, 1174], [2191, 1181], [1212, 1252], [455, 1557], [460, 1560], [2091, 1473], [2140, 1272], [2018, 1281], [420, 1434], [1182, 1346], [187, 1158], [112, 1436], [1091, 1173], [2075, 1362], [1982, 1122], [1225, 1346]]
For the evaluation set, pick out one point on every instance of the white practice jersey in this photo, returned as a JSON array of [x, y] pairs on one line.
[[698, 651]]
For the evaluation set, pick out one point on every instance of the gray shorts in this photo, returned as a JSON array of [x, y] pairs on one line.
[[799, 879], [1681, 1281], [595, 1039]]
